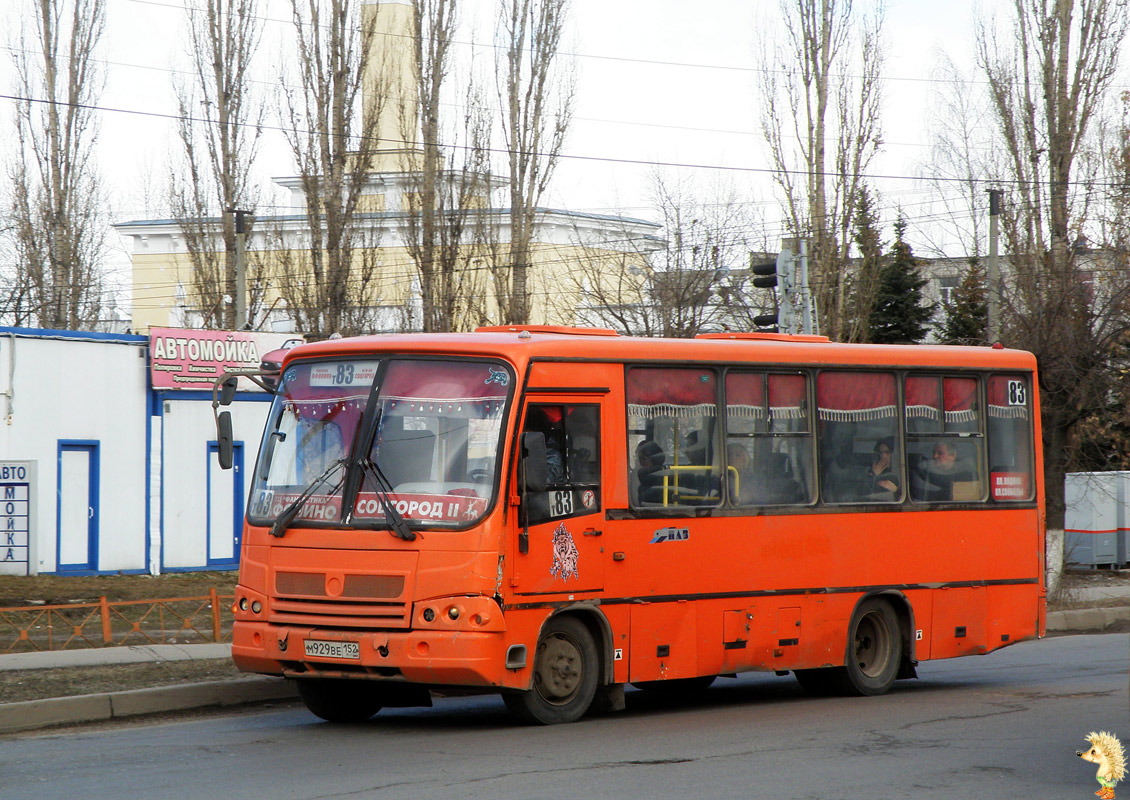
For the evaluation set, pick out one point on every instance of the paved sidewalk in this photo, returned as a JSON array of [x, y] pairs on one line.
[[36, 714], [77, 709]]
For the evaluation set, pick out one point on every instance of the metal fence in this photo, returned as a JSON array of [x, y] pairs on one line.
[[174, 620]]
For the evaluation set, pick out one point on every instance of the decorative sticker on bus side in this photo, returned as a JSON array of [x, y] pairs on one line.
[[565, 555], [435, 507], [670, 535]]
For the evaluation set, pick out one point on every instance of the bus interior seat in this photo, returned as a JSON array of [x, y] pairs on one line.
[[406, 456]]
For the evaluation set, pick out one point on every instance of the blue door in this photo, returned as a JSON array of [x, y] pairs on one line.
[[225, 507], [76, 536]]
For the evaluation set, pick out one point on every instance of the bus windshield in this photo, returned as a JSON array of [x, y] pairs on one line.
[[432, 454]]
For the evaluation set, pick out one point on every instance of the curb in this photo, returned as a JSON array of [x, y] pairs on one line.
[[36, 714], [1094, 620]]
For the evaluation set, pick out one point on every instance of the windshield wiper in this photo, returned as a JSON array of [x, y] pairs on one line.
[[398, 526], [291, 511]]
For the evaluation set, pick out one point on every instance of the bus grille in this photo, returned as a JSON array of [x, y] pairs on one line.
[[358, 601]]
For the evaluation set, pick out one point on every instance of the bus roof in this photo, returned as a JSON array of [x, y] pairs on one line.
[[521, 343]]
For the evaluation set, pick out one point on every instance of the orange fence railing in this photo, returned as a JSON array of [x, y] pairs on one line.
[[174, 620]]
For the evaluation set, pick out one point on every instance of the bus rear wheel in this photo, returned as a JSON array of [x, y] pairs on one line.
[[565, 675], [339, 700], [872, 659], [874, 648]]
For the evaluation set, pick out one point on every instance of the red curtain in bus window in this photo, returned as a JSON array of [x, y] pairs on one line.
[[856, 396], [671, 392], [922, 399], [478, 388], [1008, 397], [959, 396], [786, 396], [745, 395], [961, 399]]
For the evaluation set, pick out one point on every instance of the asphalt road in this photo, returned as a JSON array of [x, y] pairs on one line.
[[1000, 726]]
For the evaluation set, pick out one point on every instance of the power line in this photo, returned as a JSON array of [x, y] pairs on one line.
[[573, 157]]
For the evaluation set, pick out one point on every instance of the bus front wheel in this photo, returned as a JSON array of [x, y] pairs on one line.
[[565, 675], [339, 700]]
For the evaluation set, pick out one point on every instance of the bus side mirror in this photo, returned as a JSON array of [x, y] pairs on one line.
[[223, 432], [227, 391], [534, 467]]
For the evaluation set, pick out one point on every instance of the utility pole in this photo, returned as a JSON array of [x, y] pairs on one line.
[[993, 332], [804, 312], [240, 268]]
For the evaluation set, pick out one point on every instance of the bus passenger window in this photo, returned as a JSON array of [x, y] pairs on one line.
[[944, 440], [572, 449], [860, 460], [768, 439], [672, 417], [1010, 439]]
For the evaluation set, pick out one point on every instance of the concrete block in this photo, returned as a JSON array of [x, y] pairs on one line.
[[164, 698], [256, 690], [55, 711]]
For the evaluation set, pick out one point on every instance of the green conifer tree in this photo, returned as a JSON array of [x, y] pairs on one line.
[[898, 316], [864, 283], [967, 312]]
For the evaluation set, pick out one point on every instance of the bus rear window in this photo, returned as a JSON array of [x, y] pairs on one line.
[[1010, 438]]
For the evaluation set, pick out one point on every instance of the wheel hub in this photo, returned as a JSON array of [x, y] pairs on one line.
[[558, 675], [871, 645]]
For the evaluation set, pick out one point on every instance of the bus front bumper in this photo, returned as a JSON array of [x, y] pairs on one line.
[[456, 658]]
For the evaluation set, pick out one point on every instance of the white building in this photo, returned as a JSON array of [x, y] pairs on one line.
[[106, 465]]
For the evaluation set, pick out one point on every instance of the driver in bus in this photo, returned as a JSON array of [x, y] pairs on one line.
[[647, 478]]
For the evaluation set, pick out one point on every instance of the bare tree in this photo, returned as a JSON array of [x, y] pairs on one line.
[[449, 183], [1047, 83], [961, 155], [218, 152], [56, 191], [694, 280], [333, 137], [822, 94], [537, 98]]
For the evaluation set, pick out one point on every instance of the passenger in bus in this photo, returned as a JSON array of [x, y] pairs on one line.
[[942, 472], [881, 481], [647, 478], [538, 421], [740, 477]]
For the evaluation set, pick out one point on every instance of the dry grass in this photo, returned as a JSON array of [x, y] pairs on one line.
[[39, 684], [18, 590]]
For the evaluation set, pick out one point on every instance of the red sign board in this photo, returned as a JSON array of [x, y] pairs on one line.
[[1010, 485], [190, 359]]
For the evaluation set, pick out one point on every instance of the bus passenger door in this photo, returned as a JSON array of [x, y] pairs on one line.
[[564, 551]]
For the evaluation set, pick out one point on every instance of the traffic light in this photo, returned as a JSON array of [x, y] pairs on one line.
[[766, 274], [765, 277], [779, 275]]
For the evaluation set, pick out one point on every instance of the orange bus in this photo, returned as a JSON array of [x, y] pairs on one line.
[[553, 513]]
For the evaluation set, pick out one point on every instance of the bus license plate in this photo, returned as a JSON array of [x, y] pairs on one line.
[[316, 648]]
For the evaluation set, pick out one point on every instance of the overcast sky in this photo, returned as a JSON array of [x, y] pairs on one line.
[[666, 81]]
